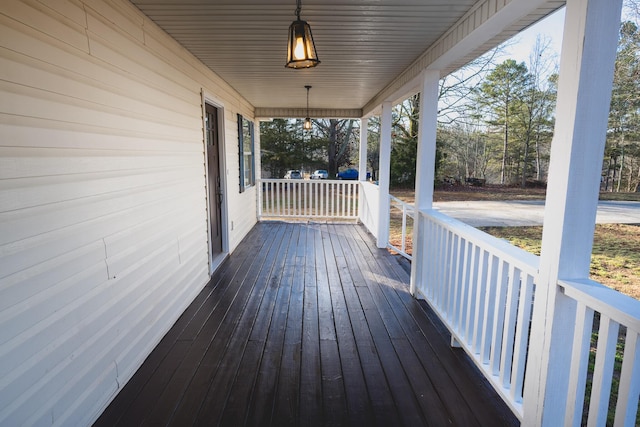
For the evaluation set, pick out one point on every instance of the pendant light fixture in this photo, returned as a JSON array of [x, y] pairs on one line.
[[307, 120], [301, 51]]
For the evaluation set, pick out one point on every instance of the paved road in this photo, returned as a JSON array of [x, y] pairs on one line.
[[530, 212]]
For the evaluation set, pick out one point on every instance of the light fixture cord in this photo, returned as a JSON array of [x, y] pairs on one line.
[[298, 8]]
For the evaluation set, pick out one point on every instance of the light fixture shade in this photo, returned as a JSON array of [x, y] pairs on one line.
[[307, 124], [301, 51]]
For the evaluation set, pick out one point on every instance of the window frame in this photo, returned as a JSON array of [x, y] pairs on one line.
[[246, 159]]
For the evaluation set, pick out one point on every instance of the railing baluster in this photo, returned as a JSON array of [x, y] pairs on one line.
[[296, 198], [316, 200], [453, 259], [489, 308], [404, 228], [578, 371], [506, 359], [320, 192], [481, 285], [472, 292], [354, 198], [347, 199], [307, 200], [483, 289], [291, 204], [466, 265], [498, 320], [435, 256], [275, 198], [522, 337], [447, 272], [629, 388], [459, 272], [303, 198], [603, 371], [304, 193], [433, 230], [342, 200], [286, 188]]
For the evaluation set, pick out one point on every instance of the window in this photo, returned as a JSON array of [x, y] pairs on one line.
[[245, 143]]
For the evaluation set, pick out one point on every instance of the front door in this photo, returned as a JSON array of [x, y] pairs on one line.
[[215, 185]]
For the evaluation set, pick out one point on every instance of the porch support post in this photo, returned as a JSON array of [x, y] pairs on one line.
[[362, 168], [364, 132], [257, 165], [584, 91], [384, 174], [425, 167]]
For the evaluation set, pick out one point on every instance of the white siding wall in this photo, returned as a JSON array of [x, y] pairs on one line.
[[103, 238]]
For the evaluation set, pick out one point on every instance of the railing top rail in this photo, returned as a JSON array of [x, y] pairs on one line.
[[342, 181], [525, 261], [619, 307], [410, 208]]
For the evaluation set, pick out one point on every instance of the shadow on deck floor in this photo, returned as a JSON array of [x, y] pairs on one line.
[[307, 324]]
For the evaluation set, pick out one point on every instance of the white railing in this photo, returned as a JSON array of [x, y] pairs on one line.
[[483, 289], [297, 198], [401, 214], [605, 356]]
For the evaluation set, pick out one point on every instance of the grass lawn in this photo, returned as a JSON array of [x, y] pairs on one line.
[[616, 249], [615, 260]]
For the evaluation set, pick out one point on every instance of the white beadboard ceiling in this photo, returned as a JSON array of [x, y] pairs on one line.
[[363, 45]]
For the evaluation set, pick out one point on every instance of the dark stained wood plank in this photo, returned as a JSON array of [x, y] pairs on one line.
[[144, 388], [357, 395], [325, 308], [384, 408], [310, 387], [260, 329], [308, 324], [214, 404], [399, 384], [263, 398], [335, 405], [381, 310], [443, 363], [443, 403], [192, 383], [286, 408], [240, 394], [288, 392]]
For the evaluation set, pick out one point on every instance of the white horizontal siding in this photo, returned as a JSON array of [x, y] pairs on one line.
[[103, 217], [242, 212]]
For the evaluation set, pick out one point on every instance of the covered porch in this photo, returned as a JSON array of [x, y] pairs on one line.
[[308, 324], [124, 125]]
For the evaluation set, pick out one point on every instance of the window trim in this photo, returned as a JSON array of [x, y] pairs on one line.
[[252, 177]]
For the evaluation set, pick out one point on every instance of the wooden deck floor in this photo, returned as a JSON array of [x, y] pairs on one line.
[[309, 325]]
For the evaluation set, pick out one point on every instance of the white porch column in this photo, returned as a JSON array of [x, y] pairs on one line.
[[383, 175], [364, 132], [584, 92], [362, 167], [257, 165], [425, 165]]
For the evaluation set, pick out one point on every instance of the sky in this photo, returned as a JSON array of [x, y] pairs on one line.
[[550, 27]]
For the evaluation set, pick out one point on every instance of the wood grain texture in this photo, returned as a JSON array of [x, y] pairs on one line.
[[103, 215], [321, 330]]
